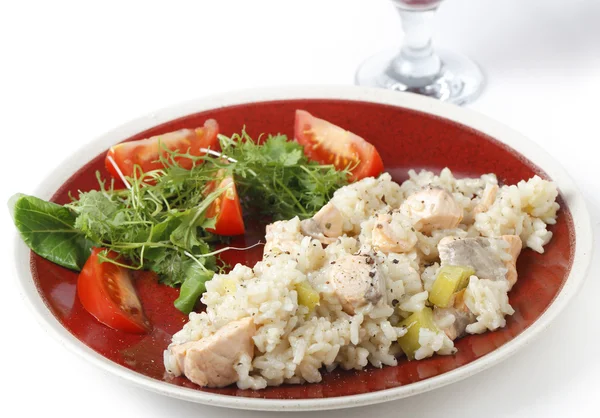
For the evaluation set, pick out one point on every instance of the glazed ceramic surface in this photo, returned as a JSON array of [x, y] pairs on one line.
[[409, 132]]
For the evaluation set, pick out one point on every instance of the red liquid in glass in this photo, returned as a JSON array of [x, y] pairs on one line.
[[417, 4]]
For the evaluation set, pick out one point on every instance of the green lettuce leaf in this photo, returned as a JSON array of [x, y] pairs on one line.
[[193, 287], [49, 230]]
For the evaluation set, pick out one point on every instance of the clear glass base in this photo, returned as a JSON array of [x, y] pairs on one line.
[[460, 80]]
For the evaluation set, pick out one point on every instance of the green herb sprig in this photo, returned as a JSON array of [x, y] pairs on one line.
[[159, 222]]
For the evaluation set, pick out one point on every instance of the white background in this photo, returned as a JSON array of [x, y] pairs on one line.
[[71, 70]]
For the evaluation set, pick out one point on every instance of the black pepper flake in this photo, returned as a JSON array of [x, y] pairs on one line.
[[333, 262], [395, 261], [395, 302], [369, 260], [328, 225], [372, 274]]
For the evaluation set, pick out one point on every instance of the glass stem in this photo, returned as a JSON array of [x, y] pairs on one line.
[[417, 64]]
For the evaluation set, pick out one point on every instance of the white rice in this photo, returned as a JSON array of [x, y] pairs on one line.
[[433, 342], [523, 209], [293, 345], [360, 200], [429, 274], [488, 301]]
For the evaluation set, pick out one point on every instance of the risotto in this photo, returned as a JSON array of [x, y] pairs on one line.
[[383, 270]]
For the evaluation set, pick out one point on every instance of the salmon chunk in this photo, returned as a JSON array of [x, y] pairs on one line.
[[325, 226], [390, 236], [209, 361], [462, 317], [514, 249], [432, 209], [483, 255], [487, 199], [357, 282]]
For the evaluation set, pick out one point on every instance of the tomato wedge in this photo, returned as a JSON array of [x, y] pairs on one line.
[[327, 143], [226, 209], [145, 152], [107, 293]]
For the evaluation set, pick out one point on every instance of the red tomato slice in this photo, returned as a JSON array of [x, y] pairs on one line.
[[145, 152], [107, 293], [327, 143], [226, 208]]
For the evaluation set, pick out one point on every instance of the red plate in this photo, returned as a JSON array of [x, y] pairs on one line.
[[405, 139]]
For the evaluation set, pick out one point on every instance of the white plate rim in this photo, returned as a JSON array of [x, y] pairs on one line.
[[470, 118]]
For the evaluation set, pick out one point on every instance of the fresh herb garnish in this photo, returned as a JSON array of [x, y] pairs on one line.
[[159, 222], [277, 179]]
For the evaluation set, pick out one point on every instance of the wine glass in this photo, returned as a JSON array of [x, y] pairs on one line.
[[417, 68]]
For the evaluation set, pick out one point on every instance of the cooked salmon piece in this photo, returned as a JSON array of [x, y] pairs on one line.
[[480, 254], [462, 316], [487, 199], [477, 253], [388, 239], [431, 209], [209, 362], [356, 281], [325, 226], [515, 245]]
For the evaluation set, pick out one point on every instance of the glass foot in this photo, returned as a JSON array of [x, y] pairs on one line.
[[460, 80]]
